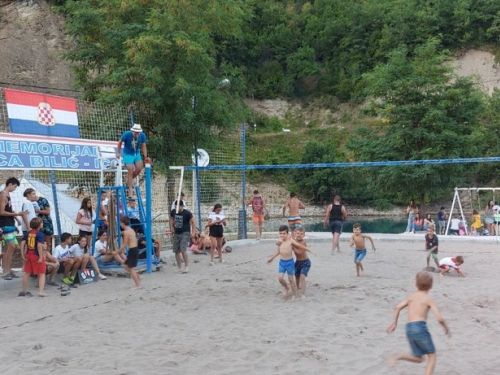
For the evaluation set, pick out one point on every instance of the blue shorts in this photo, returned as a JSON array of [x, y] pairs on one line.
[[287, 266], [131, 159], [302, 267], [359, 255], [336, 226], [419, 338]]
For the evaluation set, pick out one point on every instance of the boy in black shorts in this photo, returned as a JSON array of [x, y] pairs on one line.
[[130, 242], [431, 245], [302, 262]]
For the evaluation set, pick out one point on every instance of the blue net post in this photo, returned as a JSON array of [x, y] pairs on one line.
[[56, 203], [149, 220], [242, 215]]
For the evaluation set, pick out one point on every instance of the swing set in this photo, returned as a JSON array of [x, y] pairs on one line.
[[456, 199]]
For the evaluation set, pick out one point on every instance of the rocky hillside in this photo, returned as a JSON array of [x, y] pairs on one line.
[[32, 44]]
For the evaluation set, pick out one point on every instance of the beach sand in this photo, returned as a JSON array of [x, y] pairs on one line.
[[230, 318]]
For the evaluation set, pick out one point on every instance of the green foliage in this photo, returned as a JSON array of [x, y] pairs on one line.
[[158, 58], [431, 115]]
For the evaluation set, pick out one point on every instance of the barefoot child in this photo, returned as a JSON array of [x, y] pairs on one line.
[[447, 264], [130, 242], [419, 304], [34, 258], [431, 245], [286, 260], [358, 240], [302, 262]]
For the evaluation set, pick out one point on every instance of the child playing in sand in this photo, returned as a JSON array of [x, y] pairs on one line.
[[431, 245], [302, 262], [34, 259], [358, 240], [447, 264], [286, 265], [419, 304]]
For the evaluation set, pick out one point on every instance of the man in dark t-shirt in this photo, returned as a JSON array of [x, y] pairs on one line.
[[182, 226]]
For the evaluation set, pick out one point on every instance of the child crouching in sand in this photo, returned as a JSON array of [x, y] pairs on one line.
[[358, 240], [447, 264], [285, 251], [419, 304]]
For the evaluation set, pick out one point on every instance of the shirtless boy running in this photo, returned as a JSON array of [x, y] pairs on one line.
[[419, 304], [285, 251], [358, 240], [130, 242]]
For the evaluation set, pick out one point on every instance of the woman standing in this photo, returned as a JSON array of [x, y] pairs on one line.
[[411, 210], [335, 215], [216, 224], [43, 212], [84, 219], [488, 219]]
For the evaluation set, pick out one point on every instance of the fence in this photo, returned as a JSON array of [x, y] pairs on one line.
[[65, 189]]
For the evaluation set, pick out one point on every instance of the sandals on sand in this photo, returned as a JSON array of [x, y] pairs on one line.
[[23, 294]]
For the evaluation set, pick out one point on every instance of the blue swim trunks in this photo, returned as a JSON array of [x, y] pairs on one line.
[[287, 266], [359, 255], [302, 267], [419, 338], [131, 159]]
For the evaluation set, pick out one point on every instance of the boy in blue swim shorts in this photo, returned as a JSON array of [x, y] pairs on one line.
[[358, 240], [419, 304], [285, 251]]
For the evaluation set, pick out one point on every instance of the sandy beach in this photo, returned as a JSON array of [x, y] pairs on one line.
[[230, 318]]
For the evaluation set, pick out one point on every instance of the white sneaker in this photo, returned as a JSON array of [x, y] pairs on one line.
[[102, 277]]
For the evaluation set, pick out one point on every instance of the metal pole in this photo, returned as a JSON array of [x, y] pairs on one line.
[[197, 173], [242, 228], [56, 203], [149, 221]]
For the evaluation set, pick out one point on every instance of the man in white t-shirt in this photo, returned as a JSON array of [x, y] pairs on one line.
[[62, 254]]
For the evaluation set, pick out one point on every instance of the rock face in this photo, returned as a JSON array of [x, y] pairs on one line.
[[32, 43]]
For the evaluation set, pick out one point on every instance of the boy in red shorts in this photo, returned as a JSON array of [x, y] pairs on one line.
[[34, 258]]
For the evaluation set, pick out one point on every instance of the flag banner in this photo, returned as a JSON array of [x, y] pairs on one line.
[[19, 151], [40, 114]]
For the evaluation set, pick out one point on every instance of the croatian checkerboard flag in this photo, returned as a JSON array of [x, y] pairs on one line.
[[40, 114]]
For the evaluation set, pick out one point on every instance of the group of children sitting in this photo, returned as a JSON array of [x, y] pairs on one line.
[[40, 262], [68, 258], [200, 243]]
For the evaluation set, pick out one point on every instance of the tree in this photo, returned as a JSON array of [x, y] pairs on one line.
[[157, 56], [427, 113]]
